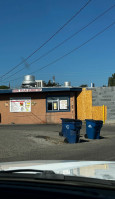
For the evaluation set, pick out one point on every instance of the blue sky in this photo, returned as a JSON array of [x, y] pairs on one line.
[[26, 24]]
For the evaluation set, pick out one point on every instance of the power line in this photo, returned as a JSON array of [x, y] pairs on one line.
[[75, 48], [74, 34], [96, 35], [56, 73], [70, 37], [63, 26]]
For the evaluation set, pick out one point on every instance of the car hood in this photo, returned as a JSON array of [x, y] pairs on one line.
[[93, 169]]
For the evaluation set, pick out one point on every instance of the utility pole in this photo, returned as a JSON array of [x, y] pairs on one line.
[[53, 79]]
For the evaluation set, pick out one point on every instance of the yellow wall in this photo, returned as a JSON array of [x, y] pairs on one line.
[[84, 105], [85, 110], [97, 112]]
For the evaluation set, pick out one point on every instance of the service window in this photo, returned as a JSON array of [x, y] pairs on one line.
[[59, 104], [50, 106], [55, 105]]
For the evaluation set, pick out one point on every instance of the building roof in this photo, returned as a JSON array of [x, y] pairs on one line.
[[44, 89], [2, 91]]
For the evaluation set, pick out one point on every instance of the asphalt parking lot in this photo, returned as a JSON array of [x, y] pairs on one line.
[[42, 142]]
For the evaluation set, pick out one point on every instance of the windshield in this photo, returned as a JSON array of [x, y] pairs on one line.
[[57, 86], [91, 169]]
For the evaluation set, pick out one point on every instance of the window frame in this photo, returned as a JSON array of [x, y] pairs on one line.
[[58, 100]]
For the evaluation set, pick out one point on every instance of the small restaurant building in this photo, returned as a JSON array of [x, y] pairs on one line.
[[47, 105], [38, 105]]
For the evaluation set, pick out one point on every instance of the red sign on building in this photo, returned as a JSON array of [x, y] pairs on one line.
[[26, 90]]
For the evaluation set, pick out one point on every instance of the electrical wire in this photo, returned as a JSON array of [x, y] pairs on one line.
[[63, 26], [60, 58], [75, 48], [70, 37]]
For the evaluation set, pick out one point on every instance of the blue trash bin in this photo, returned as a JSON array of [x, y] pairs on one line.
[[93, 128], [73, 136], [67, 124], [71, 129]]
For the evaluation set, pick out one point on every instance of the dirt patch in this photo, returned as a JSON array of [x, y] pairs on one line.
[[47, 140], [42, 137], [55, 141]]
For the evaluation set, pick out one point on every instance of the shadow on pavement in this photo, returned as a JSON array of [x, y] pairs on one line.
[[81, 141], [101, 137]]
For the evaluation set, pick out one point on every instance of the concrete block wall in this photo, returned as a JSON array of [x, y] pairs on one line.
[[104, 96]]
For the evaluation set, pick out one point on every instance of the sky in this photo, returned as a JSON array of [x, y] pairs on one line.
[[26, 24]]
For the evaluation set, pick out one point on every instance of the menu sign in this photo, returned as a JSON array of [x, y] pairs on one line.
[[63, 104], [20, 104]]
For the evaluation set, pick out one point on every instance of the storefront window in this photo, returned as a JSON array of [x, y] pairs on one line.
[[49, 106], [58, 104], [55, 105]]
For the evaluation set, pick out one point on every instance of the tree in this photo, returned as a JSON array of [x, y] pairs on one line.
[[84, 85], [50, 84], [4, 87], [111, 80]]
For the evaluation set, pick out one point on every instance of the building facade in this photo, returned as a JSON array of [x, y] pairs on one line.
[[38, 105], [49, 105]]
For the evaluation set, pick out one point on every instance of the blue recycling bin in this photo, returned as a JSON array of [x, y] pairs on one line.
[[73, 136], [93, 128], [71, 129]]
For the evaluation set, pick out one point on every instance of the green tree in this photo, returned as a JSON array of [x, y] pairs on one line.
[[111, 80], [84, 85], [50, 84], [4, 87]]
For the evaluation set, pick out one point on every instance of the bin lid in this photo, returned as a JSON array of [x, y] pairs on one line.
[[100, 122], [89, 120], [70, 120]]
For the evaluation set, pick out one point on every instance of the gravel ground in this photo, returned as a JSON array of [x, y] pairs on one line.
[[42, 142]]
